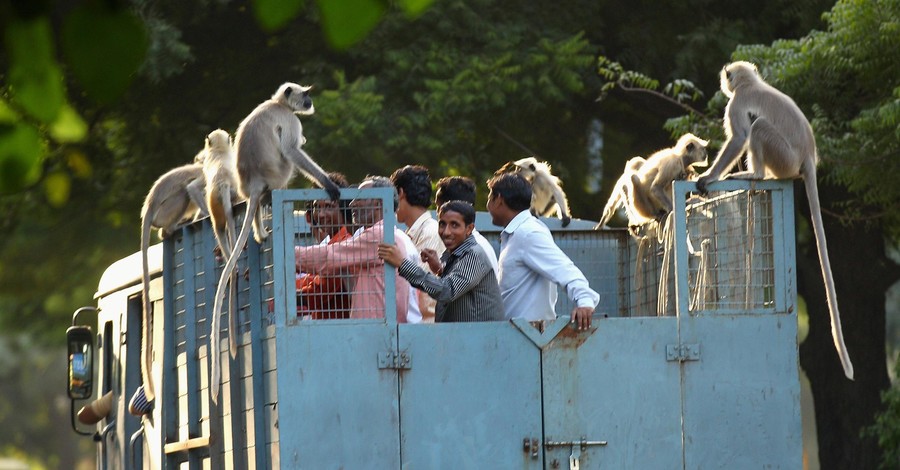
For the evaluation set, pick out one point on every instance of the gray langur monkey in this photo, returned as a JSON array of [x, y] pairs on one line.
[[621, 194], [175, 197], [645, 187], [778, 139], [220, 176], [220, 172], [268, 149], [547, 195]]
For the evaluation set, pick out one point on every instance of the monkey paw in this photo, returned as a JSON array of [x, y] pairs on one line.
[[333, 192], [566, 221], [701, 185]]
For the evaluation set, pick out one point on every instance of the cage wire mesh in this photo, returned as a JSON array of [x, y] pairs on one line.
[[731, 242], [339, 274], [731, 264]]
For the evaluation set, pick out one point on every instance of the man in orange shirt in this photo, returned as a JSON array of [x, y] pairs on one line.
[[326, 296]]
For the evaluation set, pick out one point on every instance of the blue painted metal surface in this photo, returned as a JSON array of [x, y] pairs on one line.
[[470, 398], [614, 384]]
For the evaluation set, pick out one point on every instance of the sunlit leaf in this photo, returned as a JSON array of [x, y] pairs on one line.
[[79, 164], [104, 49], [274, 14], [415, 8], [56, 188], [7, 115], [347, 21], [34, 77], [68, 127], [21, 153]]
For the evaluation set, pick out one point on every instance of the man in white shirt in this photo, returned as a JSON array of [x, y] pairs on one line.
[[530, 261], [461, 188], [413, 184]]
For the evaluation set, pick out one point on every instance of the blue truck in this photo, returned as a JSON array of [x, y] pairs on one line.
[[691, 362]]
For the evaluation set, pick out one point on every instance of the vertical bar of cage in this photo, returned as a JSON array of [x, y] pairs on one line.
[[254, 261], [679, 201], [282, 249], [390, 221], [214, 410], [165, 389], [190, 233], [783, 244]]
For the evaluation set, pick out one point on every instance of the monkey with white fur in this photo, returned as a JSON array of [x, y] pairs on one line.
[[770, 128], [621, 195], [645, 186], [547, 195], [220, 172], [220, 176], [175, 197], [268, 149]]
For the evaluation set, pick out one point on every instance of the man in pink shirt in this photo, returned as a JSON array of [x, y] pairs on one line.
[[358, 256]]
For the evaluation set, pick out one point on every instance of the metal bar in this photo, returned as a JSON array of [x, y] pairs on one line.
[[167, 419], [214, 410], [190, 338], [682, 291], [256, 336]]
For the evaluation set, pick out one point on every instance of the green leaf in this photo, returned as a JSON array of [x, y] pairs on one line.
[[345, 22], [21, 154], [35, 80], [57, 186], [414, 8], [104, 49], [274, 14], [68, 127], [7, 115]]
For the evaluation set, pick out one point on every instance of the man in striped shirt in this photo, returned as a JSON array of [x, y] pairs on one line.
[[462, 188], [466, 287]]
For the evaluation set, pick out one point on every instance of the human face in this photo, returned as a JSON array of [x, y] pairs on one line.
[[453, 229], [327, 215], [366, 211], [493, 207]]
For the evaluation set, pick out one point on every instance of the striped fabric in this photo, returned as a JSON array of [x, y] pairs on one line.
[[467, 289], [139, 405]]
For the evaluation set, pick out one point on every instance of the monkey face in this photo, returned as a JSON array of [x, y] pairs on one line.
[[295, 97], [692, 150]]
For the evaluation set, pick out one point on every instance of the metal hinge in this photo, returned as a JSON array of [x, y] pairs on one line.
[[394, 360], [683, 352]]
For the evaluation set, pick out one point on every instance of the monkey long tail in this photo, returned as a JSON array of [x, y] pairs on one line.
[[146, 330], [215, 373], [815, 212]]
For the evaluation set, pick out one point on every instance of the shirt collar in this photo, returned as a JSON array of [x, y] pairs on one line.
[[463, 247], [517, 221], [418, 223]]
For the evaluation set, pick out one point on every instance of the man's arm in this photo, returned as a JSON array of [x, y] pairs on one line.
[[462, 278], [339, 257]]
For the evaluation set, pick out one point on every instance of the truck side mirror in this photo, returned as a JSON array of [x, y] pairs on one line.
[[81, 361]]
